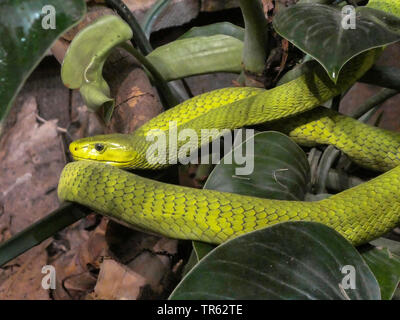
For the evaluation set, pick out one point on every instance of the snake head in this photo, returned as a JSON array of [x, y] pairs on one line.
[[113, 149]]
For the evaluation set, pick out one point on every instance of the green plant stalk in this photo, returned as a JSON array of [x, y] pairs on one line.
[[255, 38], [375, 100], [327, 159], [170, 95], [296, 72], [41, 230], [336, 102], [368, 115], [151, 16], [160, 82], [339, 181], [383, 76]]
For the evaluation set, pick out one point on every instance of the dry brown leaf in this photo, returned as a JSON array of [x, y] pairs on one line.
[[31, 160], [25, 280], [285, 49], [118, 282], [75, 277], [30, 163]]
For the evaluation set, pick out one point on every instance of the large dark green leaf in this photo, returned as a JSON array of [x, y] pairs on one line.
[[281, 171], [291, 260], [386, 268], [201, 249], [83, 63], [317, 30], [24, 41]]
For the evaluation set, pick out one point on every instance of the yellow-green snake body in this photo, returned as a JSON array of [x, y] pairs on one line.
[[227, 108], [369, 146], [360, 214], [211, 216]]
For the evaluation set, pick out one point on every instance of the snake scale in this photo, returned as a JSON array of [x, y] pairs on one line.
[[359, 214]]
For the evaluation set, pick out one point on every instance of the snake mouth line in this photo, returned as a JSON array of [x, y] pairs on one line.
[[103, 161]]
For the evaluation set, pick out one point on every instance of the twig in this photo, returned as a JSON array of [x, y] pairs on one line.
[[42, 120]]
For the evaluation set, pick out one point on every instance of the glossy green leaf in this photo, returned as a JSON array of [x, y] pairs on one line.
[[26, 33], [291, 260], [386, 268], [281, 171], [393, 246], [317, 30], [83, 63], [199, 55], [201, 249], [225, 28], [192, 261]]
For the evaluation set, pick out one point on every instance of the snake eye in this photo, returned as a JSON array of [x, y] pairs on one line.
[[99, 147]]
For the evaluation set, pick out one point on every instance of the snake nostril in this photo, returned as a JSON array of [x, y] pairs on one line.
[[76, 148]]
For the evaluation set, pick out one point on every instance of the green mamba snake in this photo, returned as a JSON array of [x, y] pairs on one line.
[[359, 214]]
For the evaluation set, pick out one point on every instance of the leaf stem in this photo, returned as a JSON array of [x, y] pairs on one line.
[[383, 76], [168, 94], [255, 38], [375, 100], [41, 230], [327, 159], [159, 80], [338, 180], [152, 14]]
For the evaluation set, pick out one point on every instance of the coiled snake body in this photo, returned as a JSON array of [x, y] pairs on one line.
[[359, 214]]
